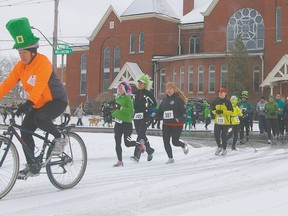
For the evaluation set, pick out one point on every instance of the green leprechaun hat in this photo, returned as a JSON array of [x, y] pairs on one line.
[[144, 78], [20, 30]]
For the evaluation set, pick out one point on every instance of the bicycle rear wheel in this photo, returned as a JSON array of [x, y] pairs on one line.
[[10, 167], [67, 169]]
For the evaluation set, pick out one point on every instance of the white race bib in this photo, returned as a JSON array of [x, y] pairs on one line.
[[138, 116], [168, 114], [237, 120], [220, 120], [118, 121], [32, 80]]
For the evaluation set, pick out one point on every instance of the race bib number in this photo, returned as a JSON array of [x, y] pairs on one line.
[[118, 121], [168, 114], [138, 116], [220, 120], [32, 80], [237, 120]]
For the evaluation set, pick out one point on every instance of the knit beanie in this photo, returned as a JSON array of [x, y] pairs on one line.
[[125, 86]]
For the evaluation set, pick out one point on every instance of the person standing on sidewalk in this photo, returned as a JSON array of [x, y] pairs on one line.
[[79, 112], [207, 114], [221, 108], [260, 109], [144, 101], [173, 111], [123, 116], [271, 117], [281, 121], [285, 112]]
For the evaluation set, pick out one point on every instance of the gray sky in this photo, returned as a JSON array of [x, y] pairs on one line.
[[77, 19]]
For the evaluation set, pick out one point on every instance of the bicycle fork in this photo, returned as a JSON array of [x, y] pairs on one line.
[[5, 149]]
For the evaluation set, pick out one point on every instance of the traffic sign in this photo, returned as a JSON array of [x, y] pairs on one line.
[[63, 51], [63, 46]]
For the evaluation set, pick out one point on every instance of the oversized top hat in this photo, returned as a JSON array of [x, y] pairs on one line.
[[20, 30]]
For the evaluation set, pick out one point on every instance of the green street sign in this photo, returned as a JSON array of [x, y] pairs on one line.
[[63, 51], [63, 46]]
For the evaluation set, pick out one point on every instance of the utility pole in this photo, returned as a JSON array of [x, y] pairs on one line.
[[55, 36]]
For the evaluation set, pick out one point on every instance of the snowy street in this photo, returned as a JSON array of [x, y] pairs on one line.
[[240, 184]]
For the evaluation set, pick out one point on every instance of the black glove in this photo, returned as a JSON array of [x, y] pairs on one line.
[[24, 108], [219, 112]]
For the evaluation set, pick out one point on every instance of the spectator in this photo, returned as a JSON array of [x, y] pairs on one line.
[[194, 115], [79, 112], [281, 122], [207, 114], [260, 109], [188, 119], [67, 114], [285, 112], [271, 116]]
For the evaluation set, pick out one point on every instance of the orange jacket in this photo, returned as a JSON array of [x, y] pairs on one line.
[[38, 80]]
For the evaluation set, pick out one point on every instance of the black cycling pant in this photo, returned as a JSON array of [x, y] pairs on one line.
[[41, 118]]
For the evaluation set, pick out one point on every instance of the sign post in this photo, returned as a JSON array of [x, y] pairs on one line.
[[62, 49]]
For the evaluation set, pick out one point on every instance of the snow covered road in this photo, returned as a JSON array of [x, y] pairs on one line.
[[240, 184]]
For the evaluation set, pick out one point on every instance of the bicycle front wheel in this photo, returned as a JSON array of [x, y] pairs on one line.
[[67, 169], [10, 167]]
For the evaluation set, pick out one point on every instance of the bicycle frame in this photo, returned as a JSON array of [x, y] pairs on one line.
[[11, 132]]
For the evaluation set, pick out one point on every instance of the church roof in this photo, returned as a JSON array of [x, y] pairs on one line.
[[140, 7], [196, 15]]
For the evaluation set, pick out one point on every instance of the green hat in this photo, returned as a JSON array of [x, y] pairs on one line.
[[20, 30], [271, 96], [245, 93], [145, 79]]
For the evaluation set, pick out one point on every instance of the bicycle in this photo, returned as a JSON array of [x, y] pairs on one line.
[[64, 170]]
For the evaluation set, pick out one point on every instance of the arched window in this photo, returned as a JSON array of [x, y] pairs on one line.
[[116, 64], [83, 74], [106, 69], [249, 24], [141, 42], [132, 43], [194, 45]]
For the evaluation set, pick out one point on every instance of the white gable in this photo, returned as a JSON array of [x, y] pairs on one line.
[[279, 73], [129, 72], [102, 21]]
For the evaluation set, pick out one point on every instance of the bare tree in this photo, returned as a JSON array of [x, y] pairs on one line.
[[6, 65], [240, 72]]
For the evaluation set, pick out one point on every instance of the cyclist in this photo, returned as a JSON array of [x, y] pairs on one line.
[[47, 98]]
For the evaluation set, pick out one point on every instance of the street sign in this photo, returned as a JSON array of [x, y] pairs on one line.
[[63, 51], [63, 46]]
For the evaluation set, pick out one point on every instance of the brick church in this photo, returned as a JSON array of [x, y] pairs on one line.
[[184, 41]]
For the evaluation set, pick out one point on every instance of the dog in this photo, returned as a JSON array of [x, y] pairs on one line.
[[94, 120]]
